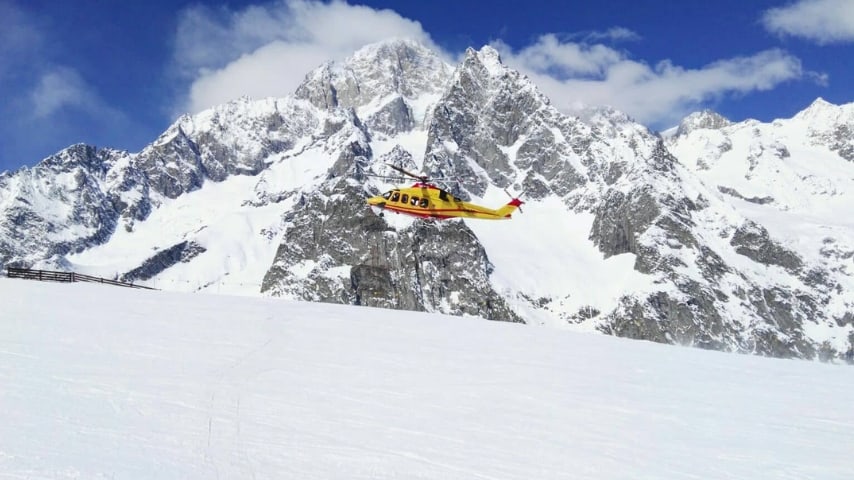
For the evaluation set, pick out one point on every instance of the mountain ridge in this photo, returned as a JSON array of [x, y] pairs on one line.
[[264, 197]]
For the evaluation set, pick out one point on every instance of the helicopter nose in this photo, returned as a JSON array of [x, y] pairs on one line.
[[376, 201]]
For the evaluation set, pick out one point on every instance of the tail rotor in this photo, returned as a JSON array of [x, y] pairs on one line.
[[518, 197]]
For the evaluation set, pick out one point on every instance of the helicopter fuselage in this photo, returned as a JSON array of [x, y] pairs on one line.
[[425, 200]]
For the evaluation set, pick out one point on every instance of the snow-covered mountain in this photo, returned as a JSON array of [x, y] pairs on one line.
[[723, 235], [784, 190]]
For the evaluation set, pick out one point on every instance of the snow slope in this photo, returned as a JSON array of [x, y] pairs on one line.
[[103, 382]]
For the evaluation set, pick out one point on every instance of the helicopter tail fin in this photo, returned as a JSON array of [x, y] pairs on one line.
[[508, 209]]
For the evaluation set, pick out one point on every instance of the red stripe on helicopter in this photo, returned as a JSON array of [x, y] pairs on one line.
[[431, 213]]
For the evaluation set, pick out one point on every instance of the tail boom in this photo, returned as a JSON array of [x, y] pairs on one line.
[[507, 210]]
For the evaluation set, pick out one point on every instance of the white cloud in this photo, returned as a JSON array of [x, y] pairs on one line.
[[614, 34], [823, 21], [62, 88], [267, 50], [554, 58], [573, 75], [59, 88]]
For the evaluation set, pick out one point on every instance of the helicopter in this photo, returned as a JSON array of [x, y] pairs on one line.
[[426, 200]]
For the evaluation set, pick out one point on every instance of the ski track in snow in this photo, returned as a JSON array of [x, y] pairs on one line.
[[104, 382]]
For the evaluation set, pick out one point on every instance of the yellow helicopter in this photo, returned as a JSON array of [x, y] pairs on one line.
[[426, 200]]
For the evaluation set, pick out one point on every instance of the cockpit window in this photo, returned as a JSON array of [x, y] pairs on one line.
[[395, 196], [387, 195], [423, 203]]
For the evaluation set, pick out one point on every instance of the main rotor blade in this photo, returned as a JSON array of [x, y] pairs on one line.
[[386, 177], [423, 178]]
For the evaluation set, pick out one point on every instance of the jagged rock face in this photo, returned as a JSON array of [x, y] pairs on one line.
[[842, 141], [477, 116], [129, 191], [389, 69], [706, 119], [394, 117], [173, 164], [830, 126], [753, 241], [346, 254], [658, 227], [233, 139], [621, 219], [62, 205], [380, 82], [493, 127]]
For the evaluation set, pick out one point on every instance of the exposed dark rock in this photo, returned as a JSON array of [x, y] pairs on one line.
[[753, 241], [779, 307], [372, 286], [179, 253], [621, 218], [734, 193], [691, 319], [705, 119], [394, 117], [839, 139], [173, 166]]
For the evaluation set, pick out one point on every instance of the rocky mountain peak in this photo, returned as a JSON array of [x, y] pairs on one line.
[[485, 109], [823, 115], [707, 119], [60, 206], [390, 84], [488, 58], [830, 125], [399, 67], [394, 49], [818, 107]]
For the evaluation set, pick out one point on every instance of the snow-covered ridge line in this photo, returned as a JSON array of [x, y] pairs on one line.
[[724, 236]]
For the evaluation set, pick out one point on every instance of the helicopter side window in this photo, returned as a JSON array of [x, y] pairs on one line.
[[423, 203], [414, 201], [404, 198], [443, 195], [387, 195], [395, 196]]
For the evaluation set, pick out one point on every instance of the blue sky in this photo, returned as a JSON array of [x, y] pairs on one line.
[[116, 74]]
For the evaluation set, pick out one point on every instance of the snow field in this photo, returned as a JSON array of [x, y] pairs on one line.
[[104, 382]]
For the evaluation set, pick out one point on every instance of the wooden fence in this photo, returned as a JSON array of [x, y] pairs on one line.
[[52, 276]]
